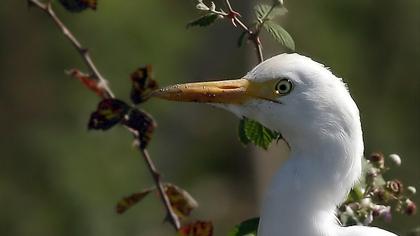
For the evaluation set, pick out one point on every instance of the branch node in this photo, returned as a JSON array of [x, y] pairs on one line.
[[253, 34], [48, 6], [84, 50]]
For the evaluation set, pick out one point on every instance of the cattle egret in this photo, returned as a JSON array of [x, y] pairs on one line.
[[314, 112]]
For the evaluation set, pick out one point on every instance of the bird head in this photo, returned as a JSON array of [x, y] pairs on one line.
[[289, 93]]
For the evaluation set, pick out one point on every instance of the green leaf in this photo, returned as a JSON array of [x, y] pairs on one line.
[[267, 12], [242, 134], [280, 34], [205, 20], [355, 194], [251, 131], [246, 228]]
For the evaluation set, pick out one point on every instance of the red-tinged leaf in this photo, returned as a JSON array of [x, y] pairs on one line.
[[109, 113], [129, 201], [79, 5], [91, 83], [184, 230], [198, 228], [143, 84], [142, 125], [182, 202]]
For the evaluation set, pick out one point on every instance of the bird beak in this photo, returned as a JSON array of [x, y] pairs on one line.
[[236, 91]]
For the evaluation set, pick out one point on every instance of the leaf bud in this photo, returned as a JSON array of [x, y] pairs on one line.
[[395, 158], [201, 6], [369, 218], [377, 160], [278, 2], [411, 189], [383, 212], [379, 195], [394, 186], [371, 175], [410, 207], [366, 203]]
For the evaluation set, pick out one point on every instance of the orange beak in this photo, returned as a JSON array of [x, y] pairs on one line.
[[236, 91]]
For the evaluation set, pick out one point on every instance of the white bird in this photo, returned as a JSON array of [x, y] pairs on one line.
[[314, 112]]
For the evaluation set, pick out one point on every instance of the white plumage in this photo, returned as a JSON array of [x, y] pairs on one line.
[[321, 123], [319, 120]]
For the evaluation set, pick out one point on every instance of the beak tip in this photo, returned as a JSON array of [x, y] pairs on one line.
[[166, 92]]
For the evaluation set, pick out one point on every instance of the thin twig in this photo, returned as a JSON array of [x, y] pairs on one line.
[[156, 177], [253, 35], [47, 8], [84, 52]]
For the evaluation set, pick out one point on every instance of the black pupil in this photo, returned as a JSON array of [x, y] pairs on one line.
[[283, 87]]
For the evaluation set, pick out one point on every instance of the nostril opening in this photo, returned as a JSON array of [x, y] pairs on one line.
[[228, 87]]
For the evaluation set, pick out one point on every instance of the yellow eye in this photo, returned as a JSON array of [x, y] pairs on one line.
[[284, 87]]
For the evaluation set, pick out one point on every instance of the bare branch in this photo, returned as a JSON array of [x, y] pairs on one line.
[[84, 53], [173, 218]]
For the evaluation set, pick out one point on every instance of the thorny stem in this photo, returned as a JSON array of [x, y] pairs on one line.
[[253, 34], [84, 53]]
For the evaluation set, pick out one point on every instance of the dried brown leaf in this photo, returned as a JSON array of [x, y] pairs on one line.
[[182, 202], [129, 201], [143, 84]]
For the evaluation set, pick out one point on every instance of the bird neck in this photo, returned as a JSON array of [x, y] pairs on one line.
[[304, 193]]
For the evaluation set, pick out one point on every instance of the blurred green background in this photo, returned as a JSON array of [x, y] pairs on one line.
[[58, 179]]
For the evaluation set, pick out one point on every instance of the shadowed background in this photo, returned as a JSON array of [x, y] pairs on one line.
[[58, 179]]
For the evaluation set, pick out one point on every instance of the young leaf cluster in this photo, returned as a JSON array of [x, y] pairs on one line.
[[375, 198], [209, 17]]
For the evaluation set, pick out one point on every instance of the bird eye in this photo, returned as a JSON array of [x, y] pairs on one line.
[[284, 87]]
